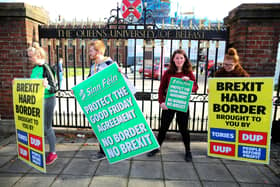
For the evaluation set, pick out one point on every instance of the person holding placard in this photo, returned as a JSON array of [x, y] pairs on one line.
[[96, 54], [42, 70], [179, 67], [231, 66]]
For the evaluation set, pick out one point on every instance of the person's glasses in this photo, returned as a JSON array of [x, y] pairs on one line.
[[227, 65]]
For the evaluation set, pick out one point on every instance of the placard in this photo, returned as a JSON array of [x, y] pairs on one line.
[[240, 114], [178, 94], [28, 100], [114, 115]]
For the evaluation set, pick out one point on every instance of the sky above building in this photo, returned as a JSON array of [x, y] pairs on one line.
[[98, 10]]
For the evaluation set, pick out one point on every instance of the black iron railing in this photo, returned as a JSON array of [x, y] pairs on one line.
[[128, 36]]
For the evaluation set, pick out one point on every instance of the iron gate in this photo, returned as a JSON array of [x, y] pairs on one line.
[[145, 43]]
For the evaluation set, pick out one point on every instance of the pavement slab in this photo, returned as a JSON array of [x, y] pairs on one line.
[[71, 181], [9, 179], [87, 150], [205, 159], [248, 174], [64, 150], [146, 169], [173, 156], [179, 170], [169, 147], [145, 182], [119, 169], [54, 168], [109, 181], [219, 183], [8, 150], [174, 183], [213, 172], [81, 167], [16, 166], [92, 140], [5, 159], [266, 171], [257, 185], [166, 169], [143, 157], [8, 140], [58, 165], [38, 180]]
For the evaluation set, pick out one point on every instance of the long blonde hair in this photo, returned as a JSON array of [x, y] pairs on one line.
[[37, 50]]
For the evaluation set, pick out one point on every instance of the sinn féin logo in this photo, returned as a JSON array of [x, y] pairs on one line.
[[82, 94]]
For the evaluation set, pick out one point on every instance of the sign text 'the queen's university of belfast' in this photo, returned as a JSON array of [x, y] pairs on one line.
[[68, 33], [124, 33]]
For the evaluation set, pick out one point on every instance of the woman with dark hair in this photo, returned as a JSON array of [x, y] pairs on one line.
[[231, 66], [179, 67]]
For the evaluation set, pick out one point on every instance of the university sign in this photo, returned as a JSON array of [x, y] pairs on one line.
[[86, 33]]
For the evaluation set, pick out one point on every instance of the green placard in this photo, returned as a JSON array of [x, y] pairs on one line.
[[178, 94], [114, 115]]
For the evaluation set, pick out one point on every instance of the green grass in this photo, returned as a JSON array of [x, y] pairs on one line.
[[79, 71]]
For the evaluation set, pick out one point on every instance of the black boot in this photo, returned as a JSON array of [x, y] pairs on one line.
[[188, 156], [153, 152]]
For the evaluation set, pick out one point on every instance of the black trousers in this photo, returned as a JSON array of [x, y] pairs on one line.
[[100, 149], [182, 120]]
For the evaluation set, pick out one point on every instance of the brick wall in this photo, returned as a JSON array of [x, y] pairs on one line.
[[255, 33], [19, 27], [13, 40]]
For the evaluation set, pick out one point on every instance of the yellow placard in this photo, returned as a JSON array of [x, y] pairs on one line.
[[240, 114], [28, 100]]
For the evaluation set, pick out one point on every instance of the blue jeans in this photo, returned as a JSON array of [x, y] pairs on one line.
[[60, 78]]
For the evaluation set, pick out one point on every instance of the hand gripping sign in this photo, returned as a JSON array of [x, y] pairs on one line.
[[28, 99], [114, 115], [240, 112]]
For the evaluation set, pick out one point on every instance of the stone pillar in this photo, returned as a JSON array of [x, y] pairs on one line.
[[254, 30], [19, 27]]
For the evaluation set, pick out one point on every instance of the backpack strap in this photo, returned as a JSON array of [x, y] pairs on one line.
[[50, 71]]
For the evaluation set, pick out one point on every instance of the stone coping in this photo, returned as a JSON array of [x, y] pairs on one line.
[[257, 11], [24, 10]]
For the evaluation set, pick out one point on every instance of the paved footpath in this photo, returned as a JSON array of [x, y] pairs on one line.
[[167, 169]]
